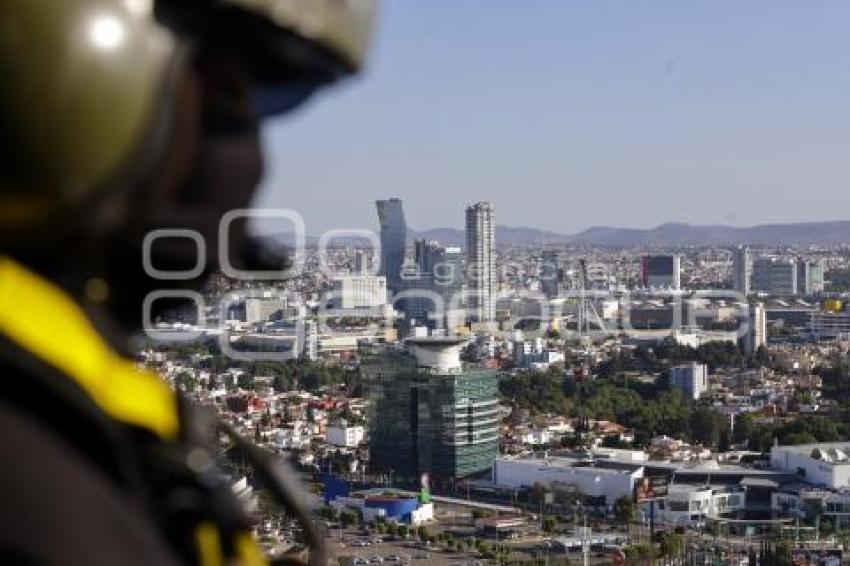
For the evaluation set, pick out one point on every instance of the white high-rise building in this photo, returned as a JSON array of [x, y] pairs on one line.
[[742, 270], [691, 379], [481, 260], [757, 334], [810, 277], [310, 341]]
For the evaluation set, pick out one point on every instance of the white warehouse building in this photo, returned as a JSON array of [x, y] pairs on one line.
[[826, 464], [597, 482]]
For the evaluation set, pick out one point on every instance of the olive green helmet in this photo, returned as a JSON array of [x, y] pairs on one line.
[[87, 84]]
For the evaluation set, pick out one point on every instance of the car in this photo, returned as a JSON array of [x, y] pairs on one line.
[[392, 558], [360, 562], [421, 556], [375, 559]]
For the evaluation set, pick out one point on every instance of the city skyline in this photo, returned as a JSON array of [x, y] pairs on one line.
[[826, 232]]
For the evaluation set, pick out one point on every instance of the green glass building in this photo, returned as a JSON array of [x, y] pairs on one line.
[[428, 413]]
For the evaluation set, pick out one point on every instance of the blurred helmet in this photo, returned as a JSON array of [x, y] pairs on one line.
[[89, 86]]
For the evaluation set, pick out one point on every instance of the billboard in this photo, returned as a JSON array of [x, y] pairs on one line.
[[651, 488]]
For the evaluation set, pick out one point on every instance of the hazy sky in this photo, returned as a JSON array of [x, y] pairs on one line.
[[569, 114]]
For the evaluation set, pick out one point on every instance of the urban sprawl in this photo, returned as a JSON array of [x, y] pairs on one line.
[[480, 402]]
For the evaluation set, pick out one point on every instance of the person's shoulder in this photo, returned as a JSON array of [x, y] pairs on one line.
[[60, 508]]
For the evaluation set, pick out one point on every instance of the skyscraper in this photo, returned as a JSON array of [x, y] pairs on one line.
[[428, 412], [776, 276], [393, 241], [757, 332], [481, 260], [810, 277], [441, 268], [742, 270]]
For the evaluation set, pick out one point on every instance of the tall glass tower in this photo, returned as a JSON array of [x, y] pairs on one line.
[[441, 268], [742, 270], [428, 413], [393, 241]]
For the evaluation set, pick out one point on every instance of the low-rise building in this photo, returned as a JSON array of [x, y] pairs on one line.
[[689, 505], [606, 485], [826, 464], [344, 434]]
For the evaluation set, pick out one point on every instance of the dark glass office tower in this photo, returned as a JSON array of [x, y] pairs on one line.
[[428, 413], [393, 241], [440, 273]]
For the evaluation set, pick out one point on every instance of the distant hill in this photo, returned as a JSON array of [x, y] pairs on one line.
[[687, 234], [803, 233], [666, 234]]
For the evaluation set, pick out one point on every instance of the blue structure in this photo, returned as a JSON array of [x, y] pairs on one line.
[[396, 506], [378, 504], [334, 487]]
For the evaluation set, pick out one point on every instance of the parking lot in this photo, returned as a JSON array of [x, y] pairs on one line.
[[363, 550]]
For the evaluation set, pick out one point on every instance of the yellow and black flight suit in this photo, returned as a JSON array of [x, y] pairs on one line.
[[96, 469]]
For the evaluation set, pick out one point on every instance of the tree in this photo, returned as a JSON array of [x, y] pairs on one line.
[[422, 533], [672, 544], [625, 510], [705, 428], [640, 551], [347, 517], [484, 549], [538, 392], [762, 357], [782, 553], [245, 381], [392, 529], [743, 430], [570, 498], [281, 383], [549, 523], [186, 381]]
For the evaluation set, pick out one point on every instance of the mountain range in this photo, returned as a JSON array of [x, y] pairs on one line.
[[669, 234], [803, 233]]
